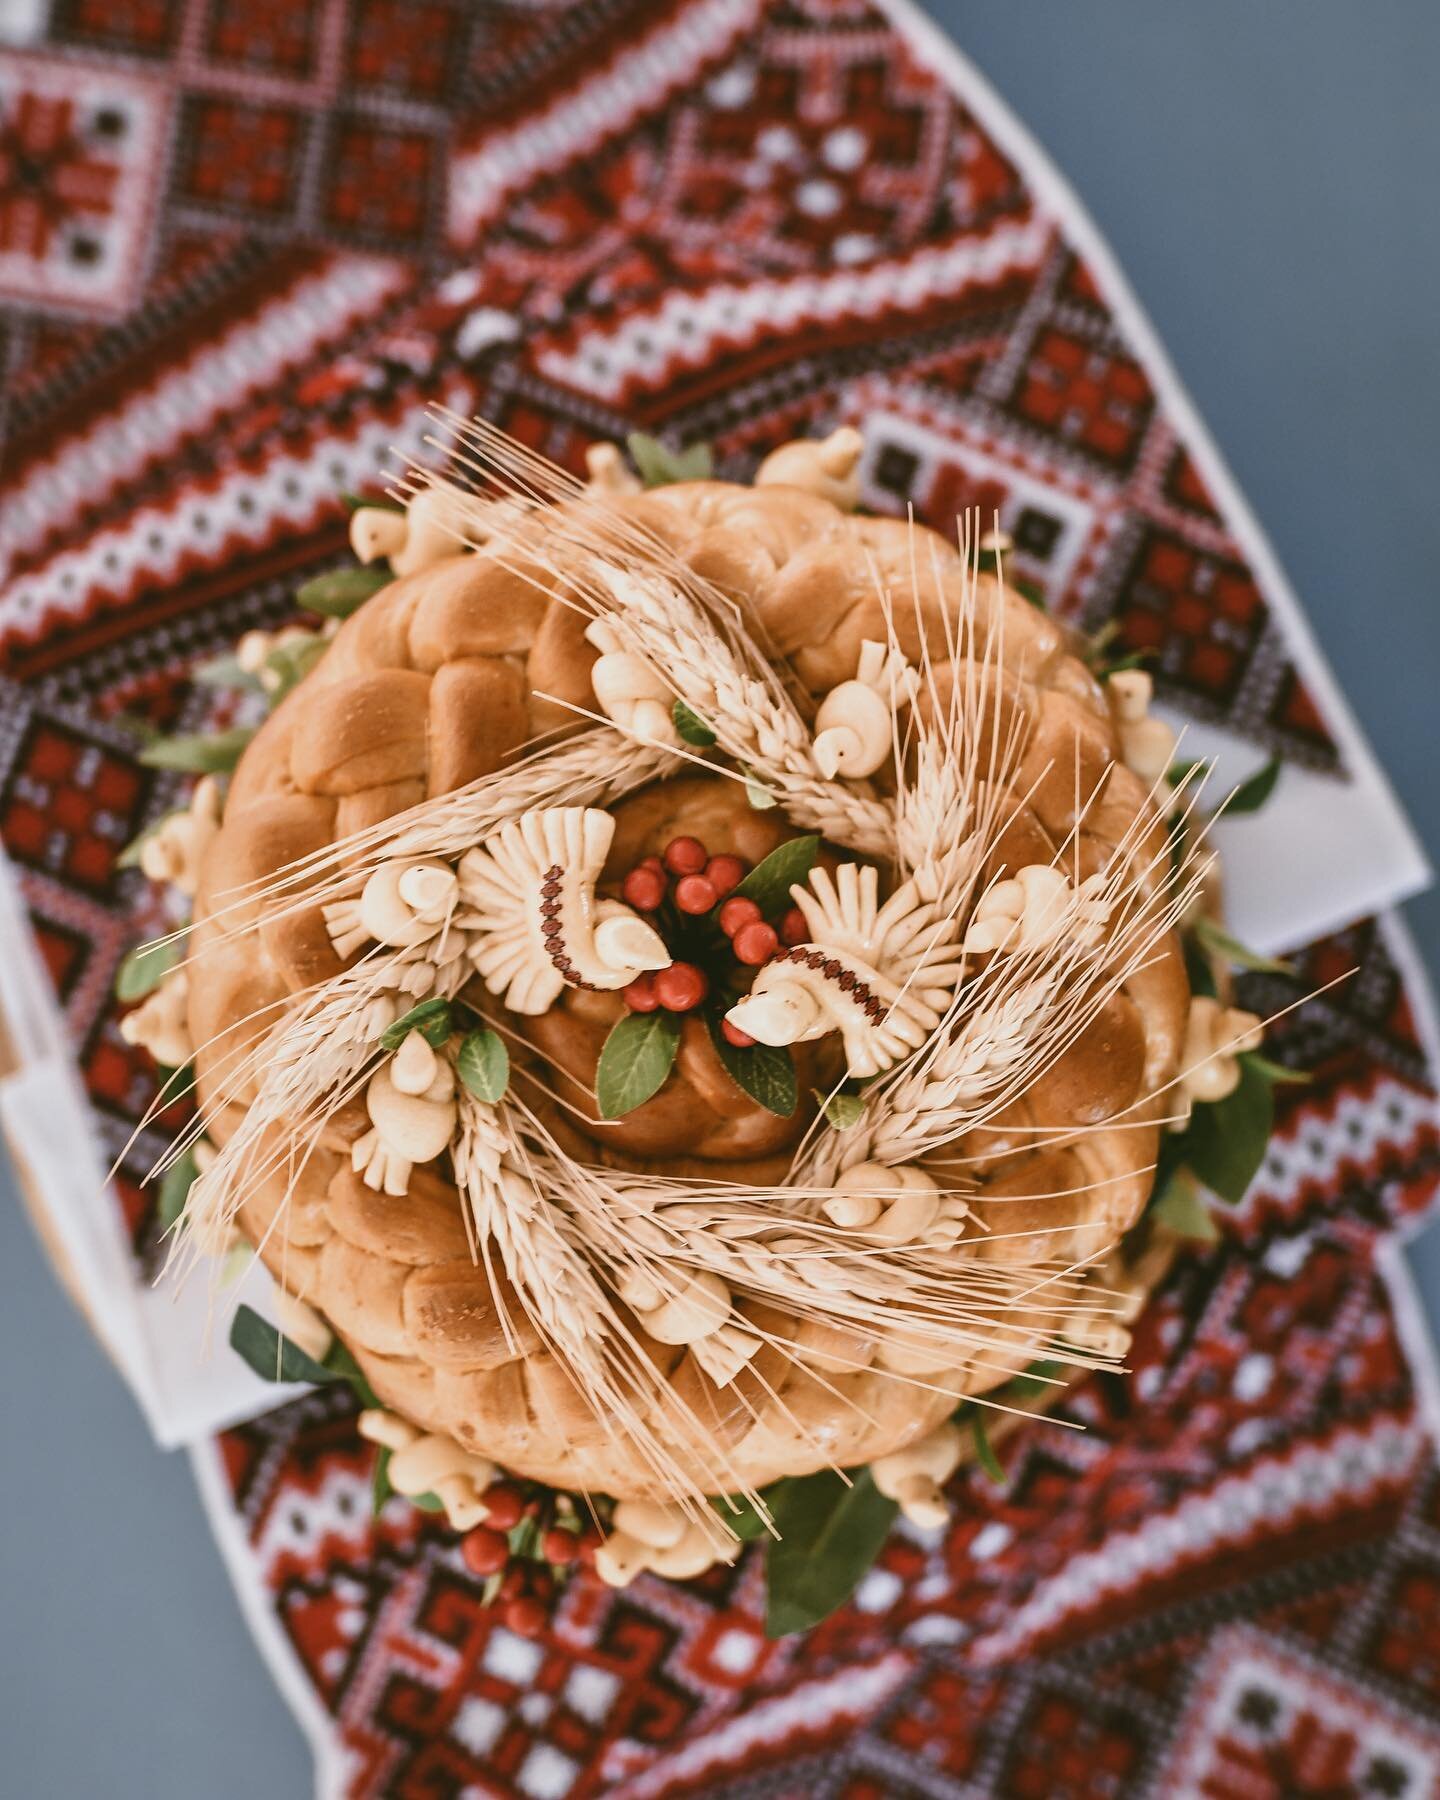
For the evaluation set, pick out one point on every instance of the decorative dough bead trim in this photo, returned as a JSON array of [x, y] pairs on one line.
[[831, 968]]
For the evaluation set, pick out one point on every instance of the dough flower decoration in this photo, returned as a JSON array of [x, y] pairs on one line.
[[691, 1000]]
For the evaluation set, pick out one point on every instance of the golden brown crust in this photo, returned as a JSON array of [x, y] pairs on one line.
[[436, 680]]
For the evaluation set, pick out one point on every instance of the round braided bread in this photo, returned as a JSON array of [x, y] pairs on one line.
[[436, 681]]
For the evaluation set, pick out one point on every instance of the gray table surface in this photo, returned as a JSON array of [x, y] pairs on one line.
[[1265, 175]]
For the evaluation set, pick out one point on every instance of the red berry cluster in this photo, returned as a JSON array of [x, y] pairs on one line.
[[521, 1548], [695, 883]]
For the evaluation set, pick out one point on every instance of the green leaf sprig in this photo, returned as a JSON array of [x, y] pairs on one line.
[[842, 1111], [765, 1072], [433, 1019], [142, 969], [213, 753], [691, 727], [274, 1358], [484, 1065], [831, 1529], [174, 1194], [635, 1060], [769, 883], [341, 592], [660, 466]]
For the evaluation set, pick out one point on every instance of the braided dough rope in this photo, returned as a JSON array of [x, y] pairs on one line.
[[438, 680]]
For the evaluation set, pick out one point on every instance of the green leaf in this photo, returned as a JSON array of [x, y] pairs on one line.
[[431, 1018], [1031, 591], [1132, 659], [1275, 1073], [1039, 1378], [211, 753], [175, 1191], [340, 592], [1220, 943], [1197, 967], [225, 672], [1252, 793], [635, 1060], [380, 1488], [691, 726], [1225, 1141], [841, 1110], [340, 1365], [830, 1534], [484, 1064], [757, 794], [659, 465], [353, 502], [740, 1515], [769, 883], [292, 662], [1181, 1206], [985, 1450], [1180, 772], [143, 969], [271, 1356], [765, 1073]]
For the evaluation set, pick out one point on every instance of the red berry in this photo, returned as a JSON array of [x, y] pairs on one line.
[[542, 1583], [695, 894], [651, 862], [737, 912], [685, 856], [725, 872], [559, 1546], [591, 1538], [680, 987], [525, 1616], [643, 889], [486, 1551], [755, 943], [514, 1583], [640, 996], [793, 929], [732, 1034], [504, 1503]]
